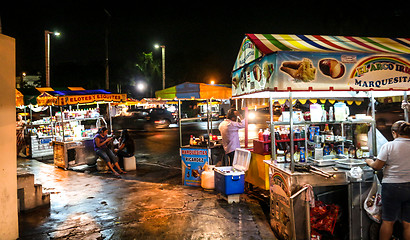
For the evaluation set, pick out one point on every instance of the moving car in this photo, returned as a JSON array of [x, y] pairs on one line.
[[143, 119]]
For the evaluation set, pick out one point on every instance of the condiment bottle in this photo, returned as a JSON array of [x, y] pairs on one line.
[[260, 135]]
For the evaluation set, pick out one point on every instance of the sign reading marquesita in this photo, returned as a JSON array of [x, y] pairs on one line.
[[380, 72]]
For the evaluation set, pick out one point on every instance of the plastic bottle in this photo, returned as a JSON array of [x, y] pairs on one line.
[[260, 135], [323, 113], [191, 140], [331, 114]]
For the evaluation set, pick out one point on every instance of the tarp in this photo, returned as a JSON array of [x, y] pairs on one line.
[[60, 98], [19, 99], [195, 91], [31, 94], [277, 62]]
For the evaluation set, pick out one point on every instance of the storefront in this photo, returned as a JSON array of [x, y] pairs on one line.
[[72, 129], [314, 147]]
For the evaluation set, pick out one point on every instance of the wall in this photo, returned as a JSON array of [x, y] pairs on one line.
[[8, 156]]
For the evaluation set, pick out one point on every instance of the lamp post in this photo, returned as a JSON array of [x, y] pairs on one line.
[[163, 63], [47, 47]]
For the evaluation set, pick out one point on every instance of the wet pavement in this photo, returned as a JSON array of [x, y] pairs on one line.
[[149, 203]]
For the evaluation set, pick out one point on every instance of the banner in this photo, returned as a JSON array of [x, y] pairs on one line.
[[318, 71], [193, 162]]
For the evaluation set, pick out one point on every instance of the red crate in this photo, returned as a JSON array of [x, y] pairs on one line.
[[259, 146]]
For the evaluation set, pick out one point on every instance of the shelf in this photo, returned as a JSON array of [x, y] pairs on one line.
[[288, 140]]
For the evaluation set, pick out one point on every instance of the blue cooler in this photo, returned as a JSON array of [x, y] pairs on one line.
[[231, 180]]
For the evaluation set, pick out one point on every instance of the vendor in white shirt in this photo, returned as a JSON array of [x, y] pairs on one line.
[[229, 132]]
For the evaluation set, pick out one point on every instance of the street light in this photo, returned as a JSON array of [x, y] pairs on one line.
[[163, 63], [47, 43]]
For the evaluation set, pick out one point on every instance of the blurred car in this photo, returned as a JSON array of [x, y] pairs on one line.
[[262, 115], [143, 119]]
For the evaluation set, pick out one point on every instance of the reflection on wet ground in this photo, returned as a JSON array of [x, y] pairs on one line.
[[94, 205], [149, 203]]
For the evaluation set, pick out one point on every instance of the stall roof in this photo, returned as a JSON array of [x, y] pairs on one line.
[[262, 44], [269, 43], [78, 97], [195, 90]]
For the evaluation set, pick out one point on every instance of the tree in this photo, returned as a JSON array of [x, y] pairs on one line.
[[150, 70]]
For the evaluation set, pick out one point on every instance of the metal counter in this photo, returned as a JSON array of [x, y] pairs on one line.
[[75, 153], [289, 200]]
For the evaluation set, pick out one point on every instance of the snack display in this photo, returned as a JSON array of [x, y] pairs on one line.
[[332, 68], [300, 70]]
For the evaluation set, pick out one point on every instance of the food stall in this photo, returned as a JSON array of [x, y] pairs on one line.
[[320, 161], [197, 151], [73, 129]]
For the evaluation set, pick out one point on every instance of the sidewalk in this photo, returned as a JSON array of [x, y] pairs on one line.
[[149, 203]]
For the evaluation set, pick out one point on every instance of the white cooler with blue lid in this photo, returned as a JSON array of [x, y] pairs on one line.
[[231, 180]]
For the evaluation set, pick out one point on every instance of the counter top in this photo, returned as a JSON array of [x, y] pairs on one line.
[[340, 175]]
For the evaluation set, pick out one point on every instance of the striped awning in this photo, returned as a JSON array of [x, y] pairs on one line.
[[269, 43]]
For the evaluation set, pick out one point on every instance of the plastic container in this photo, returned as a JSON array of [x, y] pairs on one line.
[[208, 178], [341, 111], [231, 180], [315, 112]]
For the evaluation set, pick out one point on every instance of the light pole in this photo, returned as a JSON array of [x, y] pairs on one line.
[[47, 43], [163, 64]]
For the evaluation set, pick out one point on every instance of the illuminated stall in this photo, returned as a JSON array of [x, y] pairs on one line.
[[73, 128], [314, 148], [197, 151]]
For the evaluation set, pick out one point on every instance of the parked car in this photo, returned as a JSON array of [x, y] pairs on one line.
[[143, 119]]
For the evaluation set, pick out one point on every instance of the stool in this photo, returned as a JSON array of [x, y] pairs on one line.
[[130, 163], [102, 165]]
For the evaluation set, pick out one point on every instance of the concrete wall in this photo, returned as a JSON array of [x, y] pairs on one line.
[[8, 156]]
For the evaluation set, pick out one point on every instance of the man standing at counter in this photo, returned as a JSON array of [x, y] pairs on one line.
[[229, 132], [395, 158]]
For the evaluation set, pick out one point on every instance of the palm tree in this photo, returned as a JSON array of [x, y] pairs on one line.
[[150, 70]]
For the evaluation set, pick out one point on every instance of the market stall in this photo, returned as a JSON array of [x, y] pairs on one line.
[[321, 151], [73, 128], [206, 149]]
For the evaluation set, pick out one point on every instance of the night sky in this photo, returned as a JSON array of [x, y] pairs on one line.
[[201, 39]]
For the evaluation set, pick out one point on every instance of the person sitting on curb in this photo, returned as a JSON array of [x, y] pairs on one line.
[[101, 148]]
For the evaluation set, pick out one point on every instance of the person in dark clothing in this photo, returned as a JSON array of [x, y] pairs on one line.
[[101, 142], [125, 147]]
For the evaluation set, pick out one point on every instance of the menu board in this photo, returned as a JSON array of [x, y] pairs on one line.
[[193, 162]]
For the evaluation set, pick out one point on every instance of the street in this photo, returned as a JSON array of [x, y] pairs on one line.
[[149, 203]]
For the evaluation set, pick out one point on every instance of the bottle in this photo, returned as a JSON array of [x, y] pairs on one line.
[[260, 135], [302, 155], [287, 154], [352, 152], [280, 157], [266, 135], [296, 154], [327, 128], [331, 114], [191, 140], [323, 113]]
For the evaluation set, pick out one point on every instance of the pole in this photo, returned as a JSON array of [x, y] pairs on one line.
[[292, 144], [163, 67], [406, 112], [107, 81], [47, 54]]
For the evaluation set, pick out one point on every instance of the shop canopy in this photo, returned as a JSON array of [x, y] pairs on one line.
[[60, 98], [195, 91], [283, 62]]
